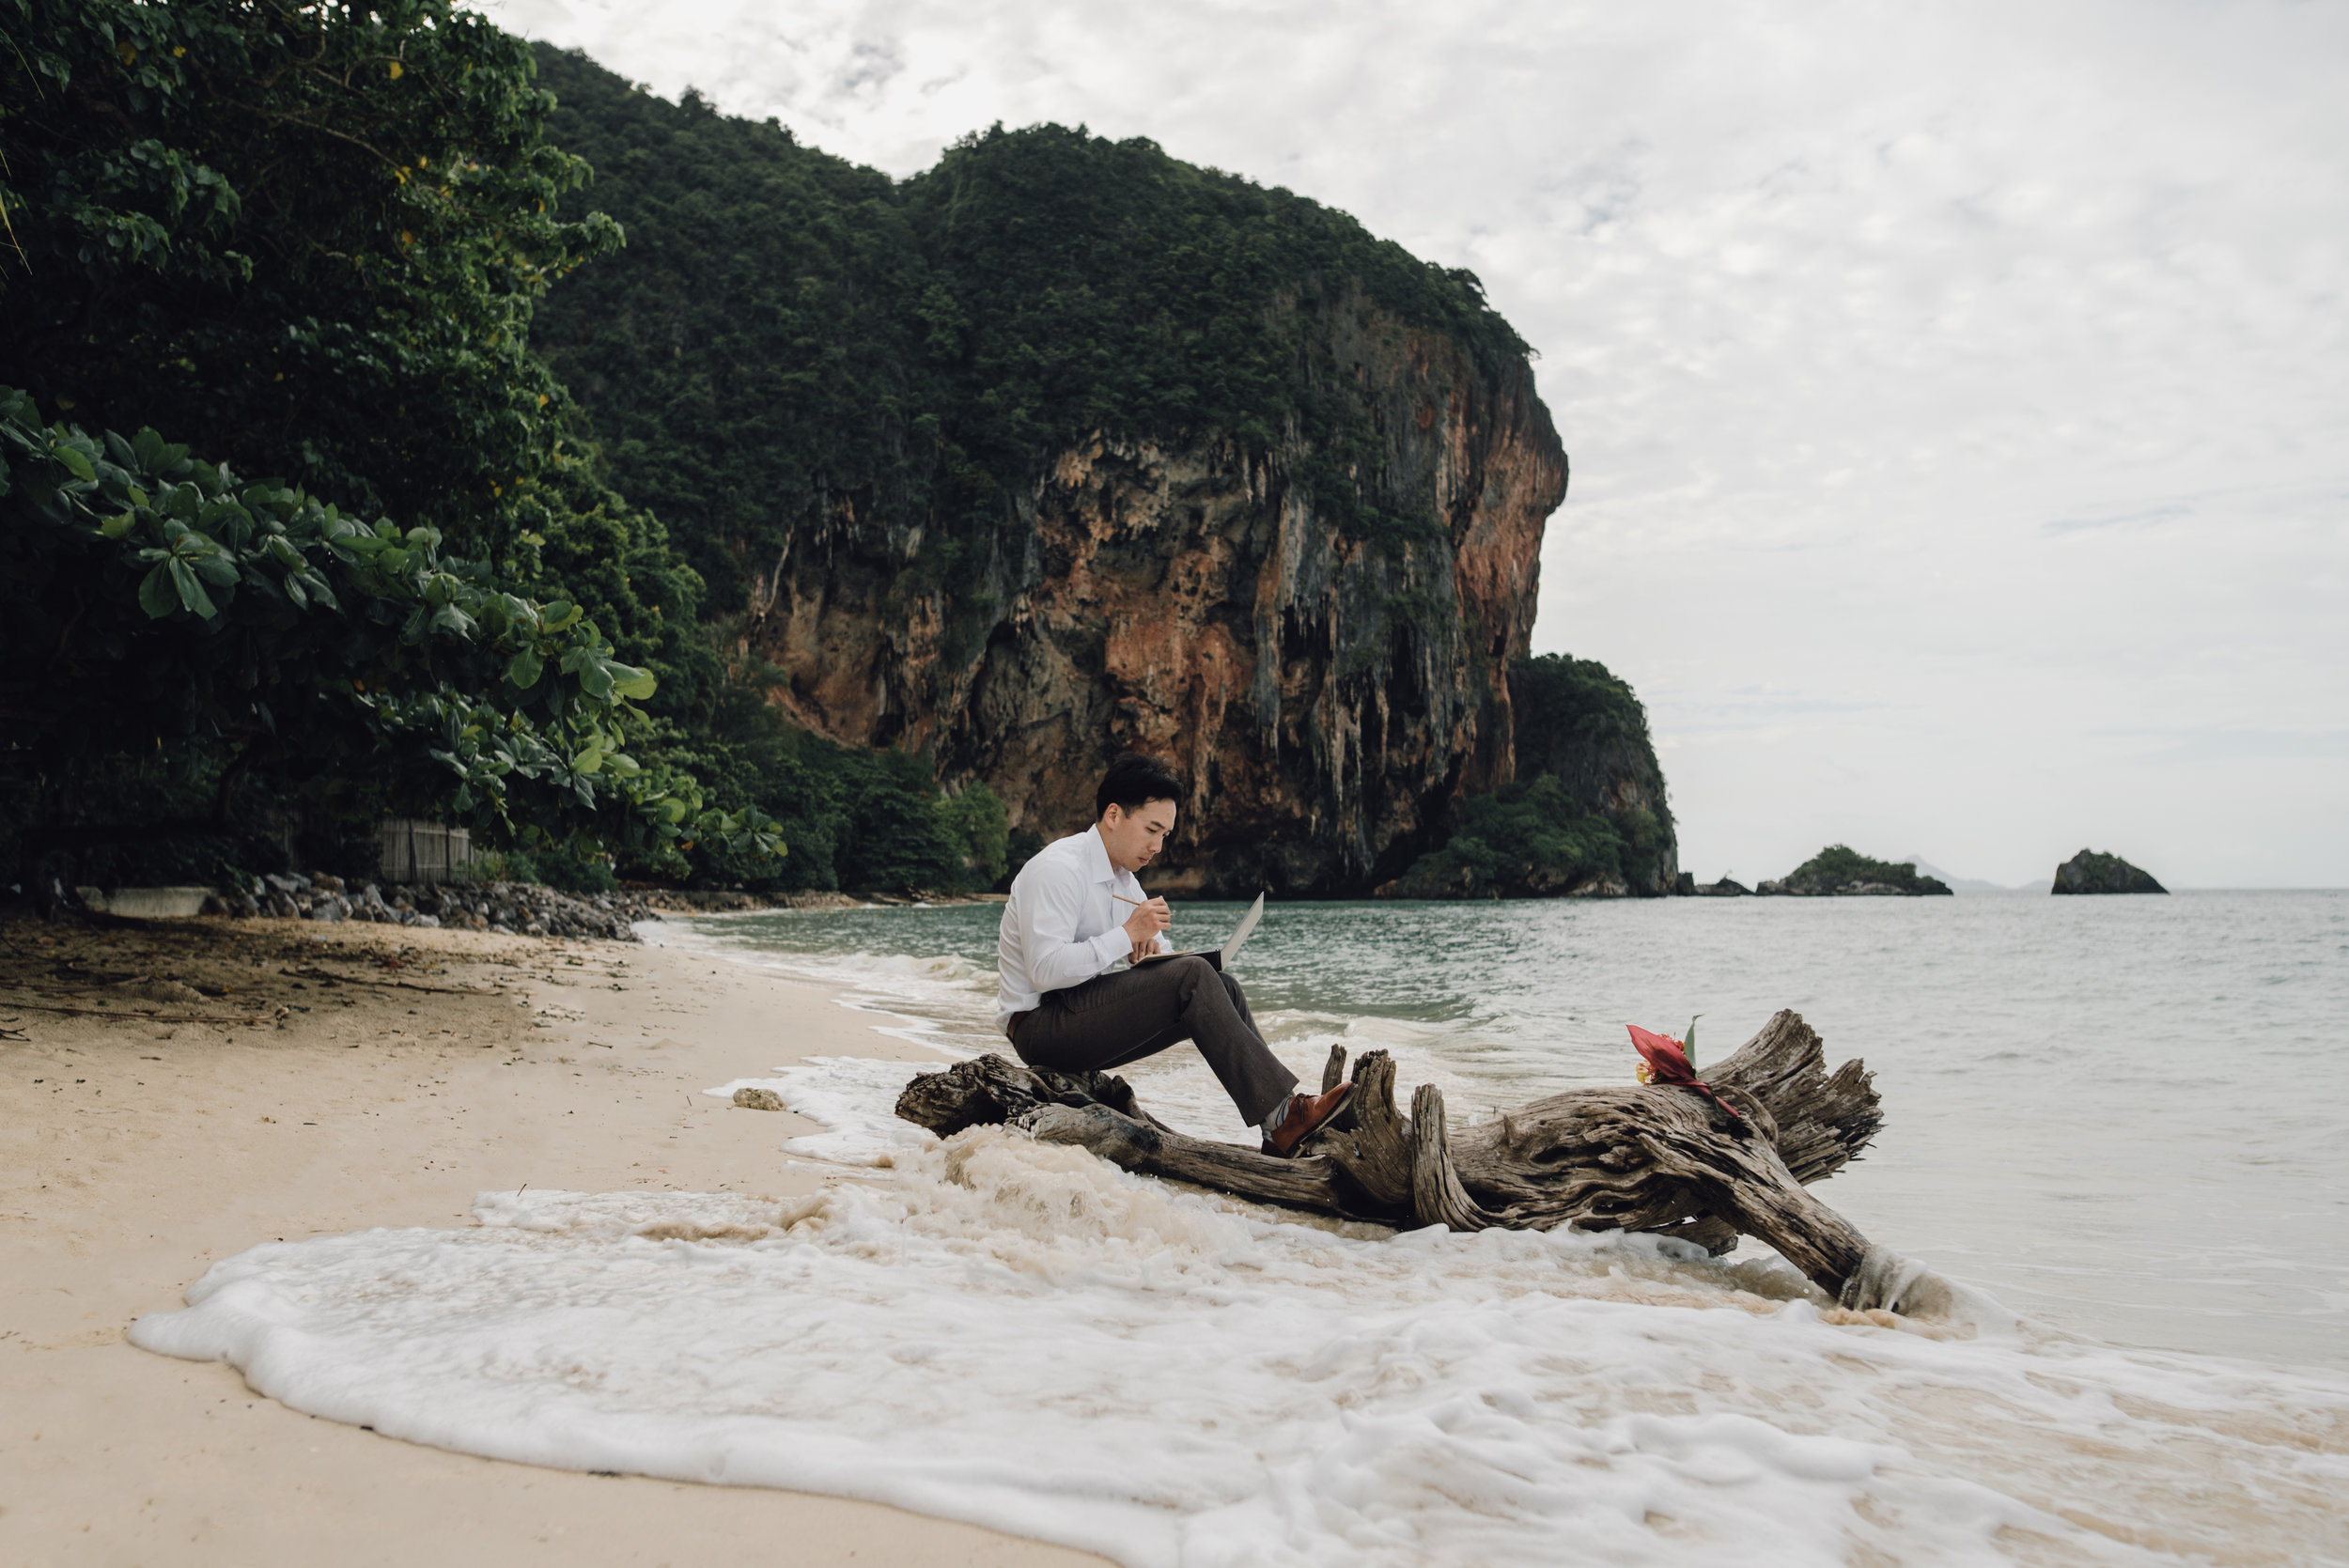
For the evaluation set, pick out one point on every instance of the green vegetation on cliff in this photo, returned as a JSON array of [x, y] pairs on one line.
[[789, 344], [1587, 811]]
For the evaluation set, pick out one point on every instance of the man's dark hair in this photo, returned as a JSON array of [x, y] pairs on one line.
[[1134, 779]]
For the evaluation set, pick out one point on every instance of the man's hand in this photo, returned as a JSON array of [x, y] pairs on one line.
[[1144, 925]]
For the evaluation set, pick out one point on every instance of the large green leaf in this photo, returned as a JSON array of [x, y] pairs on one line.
[[156, 595], [190, 591], [225, 521]]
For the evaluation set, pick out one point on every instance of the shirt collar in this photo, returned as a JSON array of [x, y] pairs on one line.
[[1097, 856]]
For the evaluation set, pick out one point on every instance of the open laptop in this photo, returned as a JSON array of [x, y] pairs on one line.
[[1221, 957]]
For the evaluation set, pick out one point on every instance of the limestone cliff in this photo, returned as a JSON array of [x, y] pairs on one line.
[[1063, 446], [1329, 692]]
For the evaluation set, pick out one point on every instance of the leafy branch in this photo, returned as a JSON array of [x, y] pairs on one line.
[[253, 614]]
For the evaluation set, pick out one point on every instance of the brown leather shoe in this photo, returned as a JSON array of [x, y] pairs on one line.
[[1306, 1115]]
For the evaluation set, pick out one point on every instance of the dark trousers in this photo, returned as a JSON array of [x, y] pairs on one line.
[[1129, 1013]]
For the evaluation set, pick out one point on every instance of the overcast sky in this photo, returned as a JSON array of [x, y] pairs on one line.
[[1957, 397]]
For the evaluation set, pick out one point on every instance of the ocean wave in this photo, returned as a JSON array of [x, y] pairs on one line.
[[1021, 1336]]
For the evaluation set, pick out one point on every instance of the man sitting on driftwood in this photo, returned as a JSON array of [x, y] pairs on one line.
[[1077, 914]]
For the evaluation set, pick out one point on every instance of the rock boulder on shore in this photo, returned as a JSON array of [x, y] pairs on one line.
[[511, 908], [2091, 872]]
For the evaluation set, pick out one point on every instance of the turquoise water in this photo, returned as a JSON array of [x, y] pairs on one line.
[[2126, 1117]]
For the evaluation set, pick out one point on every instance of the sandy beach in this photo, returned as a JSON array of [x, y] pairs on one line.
[[515, 1220], [362, 1076]]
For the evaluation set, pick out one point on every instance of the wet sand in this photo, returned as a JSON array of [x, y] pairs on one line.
[[364, 1076]]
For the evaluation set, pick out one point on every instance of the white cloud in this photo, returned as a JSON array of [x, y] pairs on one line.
[[1956, 394]]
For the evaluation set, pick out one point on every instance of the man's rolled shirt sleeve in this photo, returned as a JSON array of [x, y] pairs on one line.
[[1056, 959]]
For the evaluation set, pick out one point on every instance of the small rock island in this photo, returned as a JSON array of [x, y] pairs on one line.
[[1840, 871], [2090, 872]]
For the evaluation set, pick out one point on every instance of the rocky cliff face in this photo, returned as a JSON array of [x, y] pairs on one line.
[[1064, 447], [1330, 686]]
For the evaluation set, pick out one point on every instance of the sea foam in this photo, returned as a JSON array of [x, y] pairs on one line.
[[1021, 1336]]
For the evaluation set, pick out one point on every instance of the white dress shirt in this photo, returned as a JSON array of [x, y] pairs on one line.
[[1061, 926]]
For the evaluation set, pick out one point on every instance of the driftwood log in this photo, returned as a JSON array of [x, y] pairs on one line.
[[1653, 1159]]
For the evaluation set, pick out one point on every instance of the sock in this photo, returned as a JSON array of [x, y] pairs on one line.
[[1279, 1114]]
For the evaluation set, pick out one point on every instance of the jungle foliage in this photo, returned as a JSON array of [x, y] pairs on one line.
[[154, 601], [305, 236], [310, 239], [855, 819], [1580, 737], [790, 345]]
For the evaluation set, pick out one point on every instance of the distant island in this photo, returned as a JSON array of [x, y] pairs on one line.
[[2091, 872], [1840, 871]]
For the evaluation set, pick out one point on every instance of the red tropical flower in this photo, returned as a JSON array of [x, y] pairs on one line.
[[1663, 1060]]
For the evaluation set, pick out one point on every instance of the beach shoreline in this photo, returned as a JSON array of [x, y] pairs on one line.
[[650, 1268], [407, 1071]]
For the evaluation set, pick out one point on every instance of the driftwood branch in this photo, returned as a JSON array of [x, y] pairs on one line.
[[1655, 1159]]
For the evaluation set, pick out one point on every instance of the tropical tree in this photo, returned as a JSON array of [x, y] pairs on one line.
[[150, 600], [305, 234]]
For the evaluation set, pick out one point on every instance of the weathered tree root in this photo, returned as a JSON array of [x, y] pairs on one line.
[[1655, 1159]]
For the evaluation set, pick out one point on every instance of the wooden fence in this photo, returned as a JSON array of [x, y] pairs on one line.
[[413, 851]]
